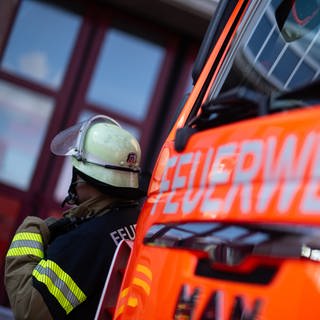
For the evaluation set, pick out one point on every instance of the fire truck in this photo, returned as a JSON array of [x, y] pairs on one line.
[[230, 228]]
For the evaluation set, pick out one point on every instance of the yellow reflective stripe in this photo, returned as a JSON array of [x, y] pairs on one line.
[[67, 280], [132, 302], [119, 311], [26, 243], [145, 270], [124, 292], [59, 284], [28, 236], [141, 283], [63, 301], [22, 251]]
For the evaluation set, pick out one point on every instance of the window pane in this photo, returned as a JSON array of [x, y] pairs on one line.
[[315, 49], [303, 74], [259, 36], [24, 117], [126, 74], [286, 64], [271, 51], [40, 43]]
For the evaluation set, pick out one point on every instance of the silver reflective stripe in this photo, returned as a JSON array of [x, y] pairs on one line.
[[26, 243]]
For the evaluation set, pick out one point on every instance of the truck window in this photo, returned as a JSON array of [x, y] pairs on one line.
[[276, 49]]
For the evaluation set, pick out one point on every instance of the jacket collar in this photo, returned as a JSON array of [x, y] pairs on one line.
[[93, 207]]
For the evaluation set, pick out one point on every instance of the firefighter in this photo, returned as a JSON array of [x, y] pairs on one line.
[[56, 269]]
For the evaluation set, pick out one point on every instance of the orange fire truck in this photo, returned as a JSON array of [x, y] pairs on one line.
[[231, 225]]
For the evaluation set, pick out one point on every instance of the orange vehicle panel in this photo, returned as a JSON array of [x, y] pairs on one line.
[[258, 175], [258, 170], [276, 158], [160, 300]]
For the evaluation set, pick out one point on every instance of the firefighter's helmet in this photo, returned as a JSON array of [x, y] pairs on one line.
[[102, 150]]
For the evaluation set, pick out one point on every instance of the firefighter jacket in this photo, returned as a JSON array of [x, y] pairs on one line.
[[61, 275]]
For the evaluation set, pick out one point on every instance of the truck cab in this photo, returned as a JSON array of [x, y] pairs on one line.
[[230, 226]]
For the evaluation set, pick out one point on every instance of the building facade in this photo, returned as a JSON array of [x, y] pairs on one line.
[[63, 61]]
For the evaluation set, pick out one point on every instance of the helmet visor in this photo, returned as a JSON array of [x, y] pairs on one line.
[[69, 142], [65, 142]]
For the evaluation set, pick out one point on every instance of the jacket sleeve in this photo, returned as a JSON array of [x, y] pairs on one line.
[[26, 251]]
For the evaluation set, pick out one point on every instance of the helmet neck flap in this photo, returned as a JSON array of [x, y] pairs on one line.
[[116, 192], [72, 196]]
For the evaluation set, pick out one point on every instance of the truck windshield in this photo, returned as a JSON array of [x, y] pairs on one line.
[[277, 48]]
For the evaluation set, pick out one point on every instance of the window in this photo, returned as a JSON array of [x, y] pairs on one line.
[[41, 43], [23, 124], [125, 75], [276, 50]]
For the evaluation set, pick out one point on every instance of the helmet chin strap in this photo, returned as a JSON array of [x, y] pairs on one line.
[[72, 197]]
